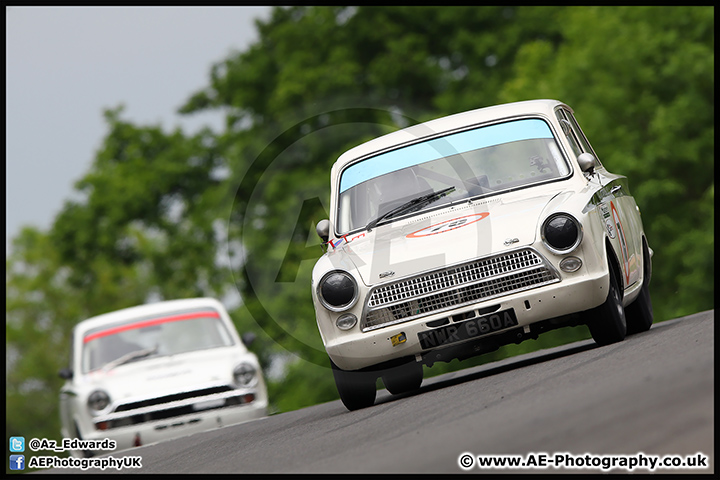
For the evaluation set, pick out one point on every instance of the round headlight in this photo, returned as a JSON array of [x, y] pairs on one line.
[[245, 374], [98, 401], [561, 233], [337, 291]]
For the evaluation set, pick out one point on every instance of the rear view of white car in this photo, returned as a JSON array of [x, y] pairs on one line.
[[160, 371]]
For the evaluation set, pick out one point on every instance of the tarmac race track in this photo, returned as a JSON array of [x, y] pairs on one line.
[[651, 394]]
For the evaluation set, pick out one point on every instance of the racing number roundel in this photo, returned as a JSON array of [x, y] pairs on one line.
[[448, 225]]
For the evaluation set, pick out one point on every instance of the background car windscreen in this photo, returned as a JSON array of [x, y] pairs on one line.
[[171, 333]]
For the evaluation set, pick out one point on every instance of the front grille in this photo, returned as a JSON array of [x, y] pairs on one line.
[[456, 286], [176, 405], [172, 398]]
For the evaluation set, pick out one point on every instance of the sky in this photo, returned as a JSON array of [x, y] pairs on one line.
[[65, 65]]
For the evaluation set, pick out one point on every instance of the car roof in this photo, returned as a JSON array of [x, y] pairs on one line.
[[446, 124], [147, 310]]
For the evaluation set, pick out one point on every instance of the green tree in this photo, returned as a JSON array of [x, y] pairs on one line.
[[151, 200], [641, 80]]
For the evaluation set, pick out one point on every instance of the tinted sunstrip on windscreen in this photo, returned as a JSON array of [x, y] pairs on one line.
[[446, 146], [149, 322]]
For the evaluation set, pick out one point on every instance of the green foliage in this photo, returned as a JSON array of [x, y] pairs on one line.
[[170, 215], [151, 203], [641, 80]]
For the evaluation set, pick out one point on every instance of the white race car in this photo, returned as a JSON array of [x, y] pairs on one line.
[[159, 371], [453, 237]]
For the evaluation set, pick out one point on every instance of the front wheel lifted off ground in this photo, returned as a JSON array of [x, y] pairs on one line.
[[356, 388]]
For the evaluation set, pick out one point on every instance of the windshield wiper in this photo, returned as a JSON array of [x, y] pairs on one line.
[[411, 206], [130, 356]]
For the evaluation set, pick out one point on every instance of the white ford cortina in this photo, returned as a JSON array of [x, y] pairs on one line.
[[456, 236], [156, 372]]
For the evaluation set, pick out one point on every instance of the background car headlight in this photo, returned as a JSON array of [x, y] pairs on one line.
[[98, 401], [561, 233], [245, 375], [337, 291]]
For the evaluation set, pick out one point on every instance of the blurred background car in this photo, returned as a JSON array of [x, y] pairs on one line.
[[155, 372]]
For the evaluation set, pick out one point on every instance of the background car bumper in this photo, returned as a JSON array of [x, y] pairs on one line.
[[170, 428]]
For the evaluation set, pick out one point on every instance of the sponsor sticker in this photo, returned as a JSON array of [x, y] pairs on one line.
[[398, 339]]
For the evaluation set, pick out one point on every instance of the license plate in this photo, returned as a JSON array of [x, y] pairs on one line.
[[207, 404], [475, 327]]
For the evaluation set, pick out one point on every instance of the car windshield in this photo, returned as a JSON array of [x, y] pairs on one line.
[[478, 162], [146, 337]]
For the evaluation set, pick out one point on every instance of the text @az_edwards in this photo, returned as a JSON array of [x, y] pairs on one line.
[[67, 444]]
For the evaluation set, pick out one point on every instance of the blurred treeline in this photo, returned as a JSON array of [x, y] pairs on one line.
[[231, 214]]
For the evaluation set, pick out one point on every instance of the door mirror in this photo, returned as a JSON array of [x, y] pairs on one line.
[[323, 230], [248, 338], [587, 162], [66, 373]]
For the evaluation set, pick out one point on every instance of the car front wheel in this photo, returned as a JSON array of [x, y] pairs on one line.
[[403, 378], [357, 389], [607, 322], [82, 453]]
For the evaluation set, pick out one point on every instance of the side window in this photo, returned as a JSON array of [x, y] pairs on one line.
[[574, 133], [568, 131], [581, 136]]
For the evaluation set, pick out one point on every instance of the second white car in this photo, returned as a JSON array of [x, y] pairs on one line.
[[159, 371]]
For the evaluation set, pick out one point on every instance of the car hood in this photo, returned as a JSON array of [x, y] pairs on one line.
[[159, 376], [447, 236]]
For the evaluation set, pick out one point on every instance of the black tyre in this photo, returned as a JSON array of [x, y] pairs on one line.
[[403, 378], [607, 322], [357, 389], [640, 313], [83, 453]]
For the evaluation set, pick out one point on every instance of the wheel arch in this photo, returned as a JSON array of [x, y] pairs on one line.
[[614, 263], [647, 259]]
